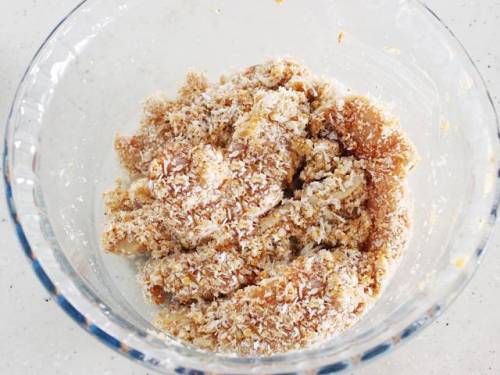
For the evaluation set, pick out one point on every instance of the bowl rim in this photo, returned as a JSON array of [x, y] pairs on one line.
[[100, 332]]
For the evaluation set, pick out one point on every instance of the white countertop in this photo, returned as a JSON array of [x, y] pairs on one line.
[[38, 337]]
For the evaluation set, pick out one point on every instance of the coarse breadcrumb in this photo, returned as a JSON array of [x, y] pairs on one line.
[[270, 208]]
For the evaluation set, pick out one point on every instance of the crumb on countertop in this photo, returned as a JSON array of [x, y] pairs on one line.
[[340, 37]]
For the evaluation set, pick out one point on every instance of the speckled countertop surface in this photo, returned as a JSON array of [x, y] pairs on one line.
[[38, 338]]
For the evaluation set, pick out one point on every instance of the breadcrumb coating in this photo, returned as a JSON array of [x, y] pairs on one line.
[[271, 209]]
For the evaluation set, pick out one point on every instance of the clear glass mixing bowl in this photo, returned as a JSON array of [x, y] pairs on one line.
[[87, 82]]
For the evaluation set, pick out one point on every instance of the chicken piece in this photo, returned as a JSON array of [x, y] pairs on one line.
[[135, 225], [214, 270], [314, 296], [366, 131]]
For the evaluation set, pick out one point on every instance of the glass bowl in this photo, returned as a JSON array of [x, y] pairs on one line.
[[87, 82]]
